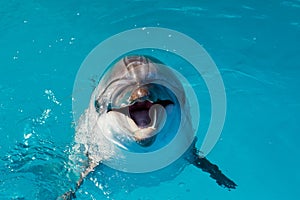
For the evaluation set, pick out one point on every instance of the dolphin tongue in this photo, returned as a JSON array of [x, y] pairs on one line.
[[157, 115], [139, 112]]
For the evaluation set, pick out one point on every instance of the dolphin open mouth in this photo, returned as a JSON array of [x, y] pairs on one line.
[[142, 115], [139, 112], [146, 118]]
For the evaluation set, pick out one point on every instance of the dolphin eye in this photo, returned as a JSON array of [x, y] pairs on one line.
[[97, 106]]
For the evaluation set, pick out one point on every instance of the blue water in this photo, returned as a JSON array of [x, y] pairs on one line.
[[255, 45]]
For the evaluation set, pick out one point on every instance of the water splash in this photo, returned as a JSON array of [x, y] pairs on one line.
[[41, 168], [51, 96]]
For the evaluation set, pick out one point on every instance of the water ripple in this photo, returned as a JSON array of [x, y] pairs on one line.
[[39, 171]]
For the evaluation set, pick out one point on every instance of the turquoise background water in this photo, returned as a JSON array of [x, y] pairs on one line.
[[255, 44]]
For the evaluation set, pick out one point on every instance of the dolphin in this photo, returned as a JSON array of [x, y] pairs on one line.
[[137, 107]]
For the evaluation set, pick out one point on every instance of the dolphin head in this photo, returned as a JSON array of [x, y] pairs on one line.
[[135, 93]]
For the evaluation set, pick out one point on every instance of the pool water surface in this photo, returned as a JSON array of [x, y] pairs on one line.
[[255, 45]]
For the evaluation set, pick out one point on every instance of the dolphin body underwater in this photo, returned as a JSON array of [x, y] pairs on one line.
[[134, 108]]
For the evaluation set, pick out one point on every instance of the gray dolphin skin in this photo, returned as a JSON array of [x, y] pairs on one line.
[[132, 111]]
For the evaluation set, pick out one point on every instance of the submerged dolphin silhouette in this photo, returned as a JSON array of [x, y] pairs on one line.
[[133, 109]]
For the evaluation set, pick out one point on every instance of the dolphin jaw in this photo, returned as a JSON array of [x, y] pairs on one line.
[[144, 120]]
